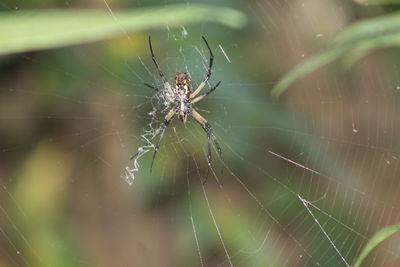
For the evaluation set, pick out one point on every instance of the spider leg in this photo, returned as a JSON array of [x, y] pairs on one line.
[[197, 99], [153, 57], [166, 83], [204, 82], [161, 131], [211, 60], [210, 137], [170, 95], [152, 87]]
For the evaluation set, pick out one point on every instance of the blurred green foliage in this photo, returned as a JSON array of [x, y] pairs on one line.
[[350, 45], [375, 240], [39, 194], [43, 29]]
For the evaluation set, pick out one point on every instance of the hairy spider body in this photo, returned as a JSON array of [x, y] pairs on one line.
[[183, 98], [183, 89]]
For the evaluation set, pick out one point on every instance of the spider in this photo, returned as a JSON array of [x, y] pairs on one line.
[[183, 98]]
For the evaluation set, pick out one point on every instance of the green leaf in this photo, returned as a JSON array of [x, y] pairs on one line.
[[305, 67], [377, 2], [376, 239], [43, 29], [368, 46], [370, 29], [351, 44]]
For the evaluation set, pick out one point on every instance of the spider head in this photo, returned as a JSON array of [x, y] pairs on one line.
[[182, 81]]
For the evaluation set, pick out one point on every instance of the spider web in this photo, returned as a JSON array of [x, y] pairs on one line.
[[304, 181]]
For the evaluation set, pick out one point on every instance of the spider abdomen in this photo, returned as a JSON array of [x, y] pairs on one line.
[[184, 109], [182, 95]]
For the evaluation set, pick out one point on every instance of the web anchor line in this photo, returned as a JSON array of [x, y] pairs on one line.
[[306, 203]]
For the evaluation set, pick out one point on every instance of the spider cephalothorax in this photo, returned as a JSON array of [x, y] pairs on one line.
[[182, 98], [182, 81]]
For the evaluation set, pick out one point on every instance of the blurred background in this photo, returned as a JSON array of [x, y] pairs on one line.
[[305, 179]]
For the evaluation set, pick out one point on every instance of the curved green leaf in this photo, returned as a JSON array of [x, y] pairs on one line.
[[370, 45], [43, 29], [305, 67], [370, 29], [351, 44], [376, 239]]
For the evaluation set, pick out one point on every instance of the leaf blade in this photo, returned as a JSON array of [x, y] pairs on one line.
[[375, 240], [361, 37], [37, 30], [305, 67]]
